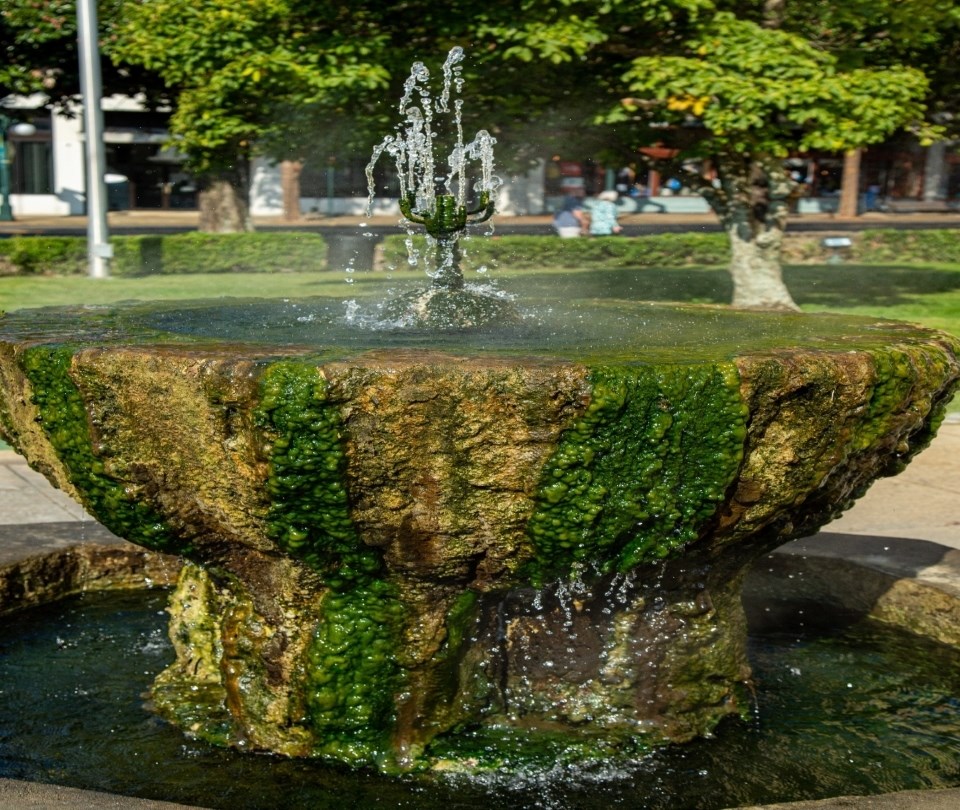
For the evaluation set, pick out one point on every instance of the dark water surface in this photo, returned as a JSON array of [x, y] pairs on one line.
[[555, 322], [866, 711]]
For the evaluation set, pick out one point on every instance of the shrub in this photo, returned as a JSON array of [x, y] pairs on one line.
[[35, 255], [909, 246], [170, 253], [677, 250], [218, 253]]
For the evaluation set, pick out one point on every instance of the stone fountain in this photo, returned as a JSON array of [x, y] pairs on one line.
[[394, 540]]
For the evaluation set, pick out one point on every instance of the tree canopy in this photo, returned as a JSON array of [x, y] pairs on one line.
[[39, 54], [287, 78], [747, 89], [282, 73]]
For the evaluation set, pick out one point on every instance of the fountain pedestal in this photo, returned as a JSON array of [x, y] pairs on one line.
[[389, 548]]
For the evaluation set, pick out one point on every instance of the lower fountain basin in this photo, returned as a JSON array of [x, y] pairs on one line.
[[542, 527], [842, 707]]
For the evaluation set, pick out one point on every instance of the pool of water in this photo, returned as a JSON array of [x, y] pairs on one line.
[[567, 325], [862, 710]]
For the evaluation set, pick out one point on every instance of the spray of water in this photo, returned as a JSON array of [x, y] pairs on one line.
[[440, 198]]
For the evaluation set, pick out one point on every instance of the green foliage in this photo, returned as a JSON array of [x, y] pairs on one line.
[[763, 91], [239, 67], [517, 252], [172, 254], [40, 53], [59, 255], [187, 253], [218, 253], [908, 246]]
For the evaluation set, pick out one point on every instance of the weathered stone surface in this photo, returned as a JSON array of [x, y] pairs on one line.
[[43, 578], [390, 546]]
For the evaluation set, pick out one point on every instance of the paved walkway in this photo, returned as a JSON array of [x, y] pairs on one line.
[[145, 220]]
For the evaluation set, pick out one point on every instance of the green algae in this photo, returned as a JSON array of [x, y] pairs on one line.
[[640, 473], [899, 373], [65, 421], [512, 749], [352, 676], [350, 670], [309, 515]]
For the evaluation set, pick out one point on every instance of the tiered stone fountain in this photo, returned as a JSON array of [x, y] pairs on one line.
[[389, 545]]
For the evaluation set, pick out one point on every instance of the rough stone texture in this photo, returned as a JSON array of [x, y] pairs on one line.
[[819, 433], [662, 657], [238, 653], [442, 457], [189, 417], [43, 578]]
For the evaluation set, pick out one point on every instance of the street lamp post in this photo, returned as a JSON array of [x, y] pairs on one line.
[[9, 126]]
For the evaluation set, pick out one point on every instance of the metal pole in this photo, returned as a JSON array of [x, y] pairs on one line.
[[330, 179], [99, 248], [6, 212]]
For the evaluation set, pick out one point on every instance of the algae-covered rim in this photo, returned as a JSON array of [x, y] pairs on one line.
[[607, 331]]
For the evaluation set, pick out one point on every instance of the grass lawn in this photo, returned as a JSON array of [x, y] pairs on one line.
[[21, 292]]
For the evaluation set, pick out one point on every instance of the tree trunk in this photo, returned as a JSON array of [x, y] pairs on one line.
[[850, 185], [755, 264], [224, 201], [752, 203], [290, 189]]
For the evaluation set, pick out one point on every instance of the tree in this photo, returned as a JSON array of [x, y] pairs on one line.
[[40, 55], [740, 97], [284, 78], [880, 33], [236, 69]]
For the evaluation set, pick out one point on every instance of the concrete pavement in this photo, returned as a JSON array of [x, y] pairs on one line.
[[142, 221]]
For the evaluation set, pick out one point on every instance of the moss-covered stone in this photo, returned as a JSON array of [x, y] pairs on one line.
[[309, 515], [65, 421], [640, 473], [396, 546], [352, 676]]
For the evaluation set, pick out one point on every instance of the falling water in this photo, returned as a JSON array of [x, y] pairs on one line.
[[413, 145]]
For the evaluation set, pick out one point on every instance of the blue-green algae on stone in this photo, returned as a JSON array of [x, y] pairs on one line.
[[309, 514], [641, 471], [350, 670], [64, 420], [352, 675]]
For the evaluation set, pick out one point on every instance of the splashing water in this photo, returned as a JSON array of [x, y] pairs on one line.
[[441, 199]]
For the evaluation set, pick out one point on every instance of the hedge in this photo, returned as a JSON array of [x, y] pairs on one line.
[[908, 246], [271, 252], [28, 255], [664, 250], [171, 253]]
